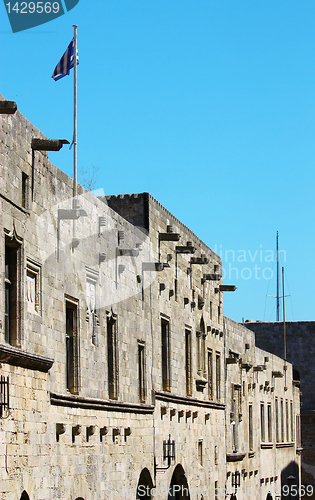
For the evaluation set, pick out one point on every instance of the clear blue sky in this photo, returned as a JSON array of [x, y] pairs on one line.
[[208, 105]]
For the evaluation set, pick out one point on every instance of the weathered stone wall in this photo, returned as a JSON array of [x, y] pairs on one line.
[[300, 336], [76, 430]]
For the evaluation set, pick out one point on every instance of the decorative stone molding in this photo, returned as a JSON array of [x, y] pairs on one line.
[[73, 401], [16, 357]]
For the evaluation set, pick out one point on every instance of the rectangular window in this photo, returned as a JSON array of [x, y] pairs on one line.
[[200, 452], [141, 371], [166, 355], [210, 375], [188, 362], [292, 420], [287, 421], [277, 420], [24, 190], [72, 347], [298, 431], [12, 325], [218, 376], [262, 422], [112, 357], [281, 420], [269, 420], [4, 395], [250, 427], [210, 309], [33, 286], [216, 490]]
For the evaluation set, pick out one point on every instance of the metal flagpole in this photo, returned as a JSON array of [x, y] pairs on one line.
[[75, 117]]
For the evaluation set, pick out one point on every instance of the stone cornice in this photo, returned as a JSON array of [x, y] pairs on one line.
[[73, 401], [17, 357], [186, 400]]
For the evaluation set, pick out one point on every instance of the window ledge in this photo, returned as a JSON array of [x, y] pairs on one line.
[[74, 401], [284, 445], [16, 357], [266, 446], [186, 400]]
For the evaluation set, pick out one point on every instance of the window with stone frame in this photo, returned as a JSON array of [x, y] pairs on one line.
[[277, 420], [25, 190], [287, 421], [250, 428], [188, 363], [269, 422], [200, 452], [166, 354], [281, 421], [112, 355], [292, 420], [72, 345], [262, 423], [92, 300], [298, 430], [218, 376], [33, 286], [13, 289], [210, 374], [201, 349], [141, 371]]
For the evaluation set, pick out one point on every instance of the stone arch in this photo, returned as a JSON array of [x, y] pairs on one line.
[[79, 498], [145, 485], [179, 489], [24, 496], [269, 496]]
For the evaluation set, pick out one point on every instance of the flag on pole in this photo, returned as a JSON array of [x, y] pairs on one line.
[[66, 63]]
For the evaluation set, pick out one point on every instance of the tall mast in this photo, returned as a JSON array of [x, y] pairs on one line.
[[75, 116], [284, 332], [278, 298]]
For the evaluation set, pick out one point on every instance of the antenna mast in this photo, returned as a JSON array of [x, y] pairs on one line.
[[278, 298]]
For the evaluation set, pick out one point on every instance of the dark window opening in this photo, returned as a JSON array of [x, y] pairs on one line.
[[12, 292], [72, 348], [141, 372], [188, 361], [24, 190], [112, 358], [166, 378]]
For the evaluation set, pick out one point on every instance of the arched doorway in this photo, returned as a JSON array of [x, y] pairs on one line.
[[24, 496], [269, 496], [145, 486], [179, 489], [79, 498], [233, 497]]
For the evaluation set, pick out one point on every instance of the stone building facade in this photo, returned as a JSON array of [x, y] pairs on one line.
[[120, 375], [300, 336]]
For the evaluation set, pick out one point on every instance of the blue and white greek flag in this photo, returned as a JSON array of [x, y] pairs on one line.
[[66, 63]]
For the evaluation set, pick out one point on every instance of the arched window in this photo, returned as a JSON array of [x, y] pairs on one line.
[[24, 496], [145, 486], [179, 489]]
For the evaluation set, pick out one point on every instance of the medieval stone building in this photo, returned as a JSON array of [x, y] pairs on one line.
[[120, 375], [300, 337]]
